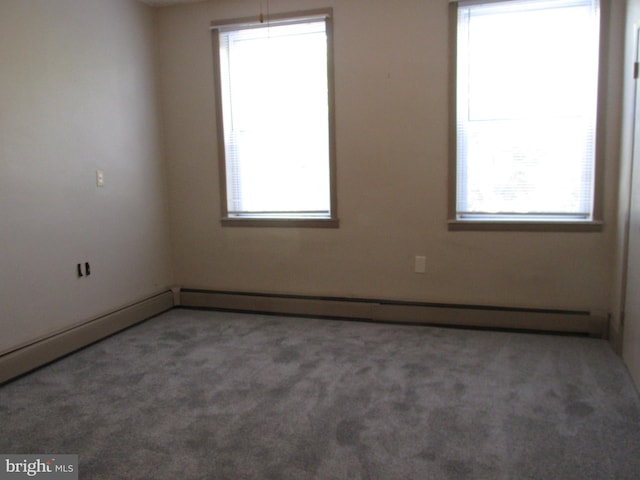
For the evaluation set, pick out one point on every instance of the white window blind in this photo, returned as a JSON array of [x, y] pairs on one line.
[[276, 119], [526, 98]]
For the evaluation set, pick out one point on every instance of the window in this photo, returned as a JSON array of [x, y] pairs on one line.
[[274, 85], [526, 103]]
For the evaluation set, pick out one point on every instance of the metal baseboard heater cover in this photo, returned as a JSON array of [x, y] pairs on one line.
[[42, 351], [544, 320], [28, 357]]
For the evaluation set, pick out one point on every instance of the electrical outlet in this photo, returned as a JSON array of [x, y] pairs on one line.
[[420, 265], [99, 178], [87, 269]]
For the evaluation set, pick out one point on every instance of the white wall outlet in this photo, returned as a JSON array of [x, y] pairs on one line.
[[99, 178], [420, 265]]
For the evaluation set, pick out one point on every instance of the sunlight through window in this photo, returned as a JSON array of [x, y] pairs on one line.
[[275, 103], [526, 110]]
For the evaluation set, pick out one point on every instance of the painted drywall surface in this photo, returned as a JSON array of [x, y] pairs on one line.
[[631, 329], [626, 151], [627, 268], [77, 94], [391, 92]]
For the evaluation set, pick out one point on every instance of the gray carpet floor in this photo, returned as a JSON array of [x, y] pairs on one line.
[[212, 395]]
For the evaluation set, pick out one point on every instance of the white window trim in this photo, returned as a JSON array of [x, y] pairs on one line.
[[503, 223], [257, 219]]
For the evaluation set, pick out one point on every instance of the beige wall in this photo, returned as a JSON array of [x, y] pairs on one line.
[[632, 16], [77, 93], [627, 267], [391, 86]]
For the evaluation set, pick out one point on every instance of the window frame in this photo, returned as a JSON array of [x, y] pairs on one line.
[[595, 224], [276, 220]]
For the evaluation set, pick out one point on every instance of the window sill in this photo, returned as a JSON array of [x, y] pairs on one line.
[[280, 222], [524, 226]]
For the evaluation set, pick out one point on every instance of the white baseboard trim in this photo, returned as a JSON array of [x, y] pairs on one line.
[[41, 352], [544, 320], [615, 338]]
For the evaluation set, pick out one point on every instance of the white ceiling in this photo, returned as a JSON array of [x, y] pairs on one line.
[[163, 3]]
